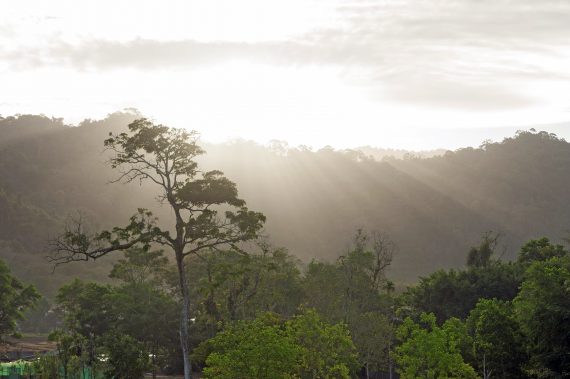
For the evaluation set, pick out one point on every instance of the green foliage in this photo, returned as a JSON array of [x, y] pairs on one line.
[[230, 285], [70, 354], [15, 298], [166, 157], [148, 315], [304, 347], [327, 351], [140, 308], [206, 212], [355, 290], [481, 256], [258, 349], [49, 170], [127, 358], [354, 284], [140, 265], [498, 342], [540, 250], [143, 306], [373, 335], [86, 308], [542, 308], [47, 366], [431, 352], [324, 290], [454, 293]]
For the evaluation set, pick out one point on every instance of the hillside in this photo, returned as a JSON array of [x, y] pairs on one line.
[[434, 208]]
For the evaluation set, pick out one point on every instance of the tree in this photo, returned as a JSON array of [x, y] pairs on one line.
[[372, 333], [304, 347], [542, 308], [376, 251], [481, 256], [46, 367], [69, 350], [354, 283], [231, 286], [498, 341], [141, 307], [87, 315], [540, 250], [15, 298], [99, 318], [327, 351], [140, 266], [355, 290], [363, 273], [429, 351], [128, 358], [324, 290], [206, 210], [454, 293], [258, 349]]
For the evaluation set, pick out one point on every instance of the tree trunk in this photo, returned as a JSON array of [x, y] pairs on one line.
[[184, 316], [390, 360], [154, 352]]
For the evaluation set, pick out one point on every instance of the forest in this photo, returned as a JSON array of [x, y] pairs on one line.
[[434, 209], [141, 250]]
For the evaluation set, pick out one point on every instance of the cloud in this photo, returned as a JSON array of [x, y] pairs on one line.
[[441, 93], [146, 54], [470, 54]]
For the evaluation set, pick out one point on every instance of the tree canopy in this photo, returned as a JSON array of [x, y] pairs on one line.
[[15, 298], [430, 351], [165, 157]]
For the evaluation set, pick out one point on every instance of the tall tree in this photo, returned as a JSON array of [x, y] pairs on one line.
[[206, 210]]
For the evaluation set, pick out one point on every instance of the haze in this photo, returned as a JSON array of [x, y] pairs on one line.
[[420, 74]]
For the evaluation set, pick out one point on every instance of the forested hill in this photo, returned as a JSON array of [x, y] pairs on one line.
[[434, 208]]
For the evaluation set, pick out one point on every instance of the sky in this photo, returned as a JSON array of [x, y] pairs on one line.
[[413, 74]]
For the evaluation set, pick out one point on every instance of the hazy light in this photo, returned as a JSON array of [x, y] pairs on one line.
[[342, 98]]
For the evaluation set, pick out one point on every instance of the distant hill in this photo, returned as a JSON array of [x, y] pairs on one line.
[[381, 154], [434, 208]]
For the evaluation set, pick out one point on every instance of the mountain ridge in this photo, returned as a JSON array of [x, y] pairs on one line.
[[434, 208]]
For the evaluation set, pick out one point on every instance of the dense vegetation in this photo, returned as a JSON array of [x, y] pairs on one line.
[[256, 311], [434, 209], [263, 315]]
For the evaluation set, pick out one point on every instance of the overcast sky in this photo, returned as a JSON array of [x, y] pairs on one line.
[[391, 73]]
